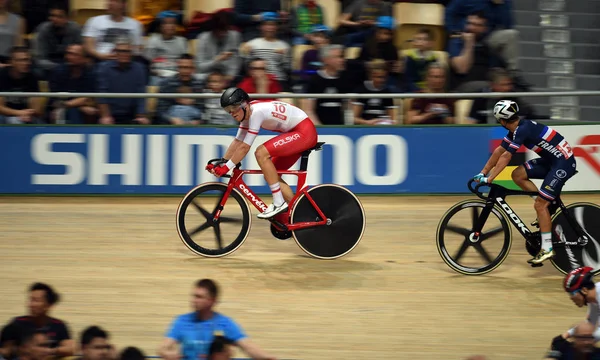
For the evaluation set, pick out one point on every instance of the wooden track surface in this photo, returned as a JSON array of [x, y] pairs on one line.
[[119, 264]]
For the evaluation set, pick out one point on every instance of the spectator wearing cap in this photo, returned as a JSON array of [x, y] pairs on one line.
[[218, 49], [305, 17], [42, 299], [320, 36], [418, 59], [258, 81], [358, 21], [250, 13], [195, 331], [276, 52], [164, 49], [380, 45]]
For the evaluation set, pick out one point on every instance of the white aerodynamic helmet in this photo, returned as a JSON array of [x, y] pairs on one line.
[[505, 110]]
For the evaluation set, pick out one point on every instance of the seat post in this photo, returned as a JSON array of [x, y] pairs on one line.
[[304, 161]]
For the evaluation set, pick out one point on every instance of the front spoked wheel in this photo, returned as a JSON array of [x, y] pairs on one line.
[[465, 253], [202, 231]]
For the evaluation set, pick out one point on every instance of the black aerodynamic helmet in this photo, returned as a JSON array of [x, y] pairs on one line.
[[233, 96]]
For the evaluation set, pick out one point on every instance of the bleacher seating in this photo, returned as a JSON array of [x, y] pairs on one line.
[[410, 16]]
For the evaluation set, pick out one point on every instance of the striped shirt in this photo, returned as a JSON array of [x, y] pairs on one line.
[[277, 55]]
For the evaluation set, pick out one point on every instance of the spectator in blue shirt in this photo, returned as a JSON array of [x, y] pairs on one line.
[[195, 331], [471, 58], [499, 35], [122, 76], [75, 77]]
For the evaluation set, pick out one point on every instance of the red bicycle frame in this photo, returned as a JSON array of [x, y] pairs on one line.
[[237, 181]]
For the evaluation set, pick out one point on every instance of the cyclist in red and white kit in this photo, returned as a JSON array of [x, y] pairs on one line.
[[298, 134]]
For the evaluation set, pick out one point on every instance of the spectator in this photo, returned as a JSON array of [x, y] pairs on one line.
[[277, 53], [328, 80], [482, 108], [258, 81], [220, 349], [19, 78], [471, 57], [214, 114], [12, 30], [418, 59], [75, 77], [582, 347], [95, 345], [102, 32], [320, 36], [34, 345], [219, 48], [122, 76], [42, 298], [358, 21], [164, 49], [184, 78], [499, 34], [380, 45], [132, 353], [249, 14], [184, 112], [375, 110], [305, 17], [195, 331], [53, 37], [433, 110], [9, 338]]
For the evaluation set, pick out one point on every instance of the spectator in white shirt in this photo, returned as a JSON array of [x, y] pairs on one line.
[[164, 49], [101, 32], [276, 52]]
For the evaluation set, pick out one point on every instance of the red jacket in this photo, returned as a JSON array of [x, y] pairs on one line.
[[249, 87]]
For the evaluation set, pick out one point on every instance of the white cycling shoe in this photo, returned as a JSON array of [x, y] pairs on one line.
[[273, 210]]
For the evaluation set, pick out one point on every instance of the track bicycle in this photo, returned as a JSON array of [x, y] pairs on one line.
[[475, 222], [327, 221]]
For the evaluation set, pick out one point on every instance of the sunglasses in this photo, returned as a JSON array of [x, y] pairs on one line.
[[257, 68]]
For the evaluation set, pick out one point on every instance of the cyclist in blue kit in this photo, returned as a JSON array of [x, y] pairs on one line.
[[556, 164]]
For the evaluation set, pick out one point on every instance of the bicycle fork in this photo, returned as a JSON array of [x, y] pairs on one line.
[[480, 220]]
